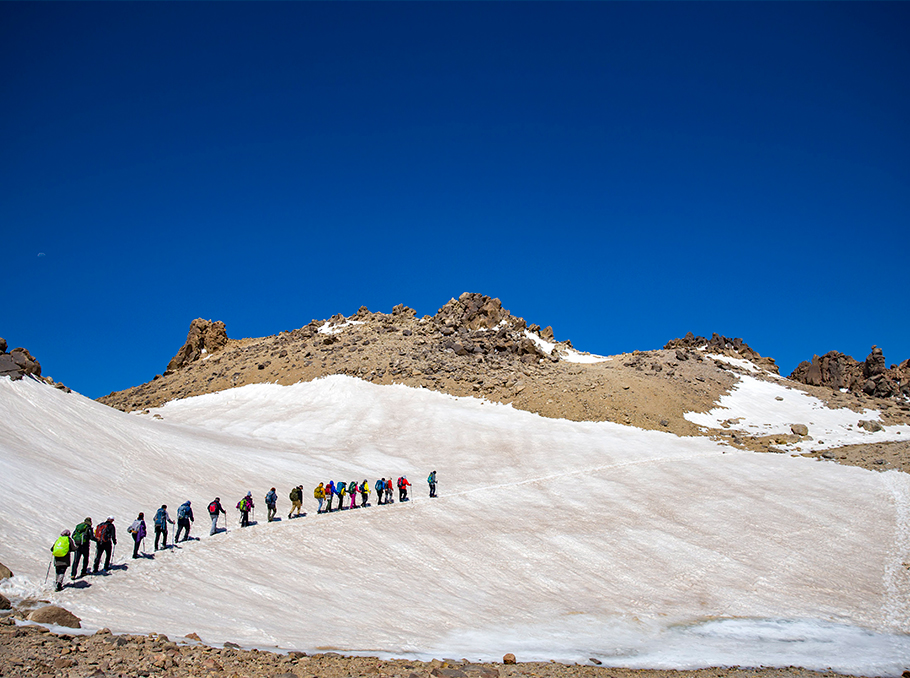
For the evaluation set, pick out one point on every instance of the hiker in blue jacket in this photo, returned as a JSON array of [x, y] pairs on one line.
[[161, 521], [380, 490], [184, 518], [271, 502]]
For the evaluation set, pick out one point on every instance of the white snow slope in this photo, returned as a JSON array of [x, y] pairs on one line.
[[550, 539]]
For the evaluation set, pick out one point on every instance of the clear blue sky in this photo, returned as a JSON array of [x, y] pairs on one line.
[[622, 172]]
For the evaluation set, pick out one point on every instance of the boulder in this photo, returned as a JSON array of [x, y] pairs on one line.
[[508, 658], [204, 337], [5, 572], [799, 429], [51, 614], [2, 345], [871, 426], [472, 311], [4, 602]]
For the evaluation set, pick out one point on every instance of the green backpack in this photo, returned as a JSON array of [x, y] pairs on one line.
[[79, 534], [61, 547]]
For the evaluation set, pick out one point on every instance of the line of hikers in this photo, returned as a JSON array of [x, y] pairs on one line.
[[104, 535]]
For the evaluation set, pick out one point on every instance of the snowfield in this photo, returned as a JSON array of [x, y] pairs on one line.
[[550, 539]]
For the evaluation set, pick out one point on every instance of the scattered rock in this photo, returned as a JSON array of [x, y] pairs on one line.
[[799, 429], [193, 636], [871, 426], [4, 603], [52, 614], [2, 345], [18, 363], [5, 572], [508, 658], [596, 661], [233, 646]]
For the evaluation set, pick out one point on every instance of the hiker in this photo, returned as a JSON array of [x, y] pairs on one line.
[[388, 491], [380, 489], [271, 501], [403, 486], [161, 521], [296, 497], [82, 538], [431, 479], [184, 518], [137, 529], [105, 540], [352, 491], [364, 493], [340, 489], [215, 510], [245, 505], [61, 550], [330, 495], [319, 496]]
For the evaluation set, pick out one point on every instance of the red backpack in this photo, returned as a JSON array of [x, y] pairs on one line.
[[102, 533]]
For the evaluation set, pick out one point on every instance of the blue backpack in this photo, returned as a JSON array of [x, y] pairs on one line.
[[160, 517], [183, 511]]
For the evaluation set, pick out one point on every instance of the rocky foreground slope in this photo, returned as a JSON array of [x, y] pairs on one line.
[[474, 347], [31, 651]]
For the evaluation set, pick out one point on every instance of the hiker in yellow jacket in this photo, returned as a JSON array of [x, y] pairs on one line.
[[364, 493], [319, 495]]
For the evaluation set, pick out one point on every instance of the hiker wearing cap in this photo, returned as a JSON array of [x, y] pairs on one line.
[[137, 529], [82, 538], [161, 521], [364, 493], [215, 509], [105, 540], [271, 503], [61, 550], [184, 518], [431, 481], [403, 486], [245, 505]]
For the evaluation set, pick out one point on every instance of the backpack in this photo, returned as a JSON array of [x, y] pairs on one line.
[[340, 489], [294, 495], [160, 517], [244, 504], [183, 511], [352, 488], [379, 486], [79, 534], [102, 534], [61, 547], [134, 528], [400, 483], [213, 508]]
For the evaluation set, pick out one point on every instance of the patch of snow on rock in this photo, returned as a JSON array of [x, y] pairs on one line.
[[760, 408]]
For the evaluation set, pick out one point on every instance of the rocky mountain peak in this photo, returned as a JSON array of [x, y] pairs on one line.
[[837, 370], [475, 312], [734, 347]]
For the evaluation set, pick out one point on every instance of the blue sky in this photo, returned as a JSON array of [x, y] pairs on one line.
[[623, 172]]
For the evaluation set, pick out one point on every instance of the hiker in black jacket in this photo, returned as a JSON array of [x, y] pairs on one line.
[[215, 509], [105, 539]]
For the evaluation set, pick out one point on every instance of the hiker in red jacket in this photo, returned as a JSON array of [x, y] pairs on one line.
[[403, 486]]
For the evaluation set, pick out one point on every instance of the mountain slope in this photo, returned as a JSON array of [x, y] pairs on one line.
[[555, 539]]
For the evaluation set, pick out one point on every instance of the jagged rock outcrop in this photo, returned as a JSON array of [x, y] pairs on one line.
[[17, 363], [204, 337], [734, 347], [475, 311], [872, 377]]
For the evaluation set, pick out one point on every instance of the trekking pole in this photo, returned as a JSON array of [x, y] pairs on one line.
[[48, 571]]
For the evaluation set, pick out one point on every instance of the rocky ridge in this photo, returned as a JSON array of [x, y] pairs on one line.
[[474, 347], [838, 371]]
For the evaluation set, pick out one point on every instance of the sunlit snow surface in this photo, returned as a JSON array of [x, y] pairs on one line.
[[550, 539], [569, 355], [761, 408]]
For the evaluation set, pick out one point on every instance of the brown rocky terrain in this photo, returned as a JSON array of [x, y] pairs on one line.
[[836, 370], [32, 651], [475, 347]]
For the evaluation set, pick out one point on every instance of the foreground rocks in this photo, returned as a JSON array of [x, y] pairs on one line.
[[32, 651]]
